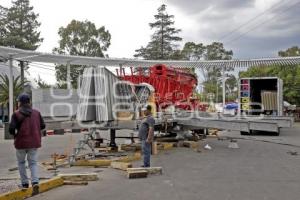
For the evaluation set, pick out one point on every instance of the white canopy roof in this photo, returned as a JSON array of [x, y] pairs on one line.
[[34, 56]]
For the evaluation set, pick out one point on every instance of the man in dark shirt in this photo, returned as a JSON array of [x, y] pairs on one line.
[[146, 134], [26, 125]]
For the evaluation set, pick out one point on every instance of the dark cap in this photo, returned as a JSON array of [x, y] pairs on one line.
[[24, 98], [147, 107]]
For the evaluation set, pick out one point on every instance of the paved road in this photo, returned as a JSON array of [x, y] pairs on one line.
[[257, 170]]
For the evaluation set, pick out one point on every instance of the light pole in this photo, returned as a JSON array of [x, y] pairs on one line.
[[223, 80]]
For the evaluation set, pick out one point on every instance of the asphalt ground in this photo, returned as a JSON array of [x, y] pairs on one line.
[[262, 168]]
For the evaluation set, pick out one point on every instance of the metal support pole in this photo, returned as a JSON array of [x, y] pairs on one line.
[[217, 96], [223, 85], [11, 87], [112, 138], [69, 85], [22, 74]]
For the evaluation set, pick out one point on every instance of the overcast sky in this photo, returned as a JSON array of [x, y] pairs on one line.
[[271, 25]]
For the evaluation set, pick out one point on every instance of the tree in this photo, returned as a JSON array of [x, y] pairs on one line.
[[4, 90], [3, 14], [289, 74], [80, 38], [215, 51], [41, 83], [192, 51], [20, 26], [293, 51], [163, 41]]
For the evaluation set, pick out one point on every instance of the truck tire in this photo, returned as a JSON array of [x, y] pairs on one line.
[[245, 133]]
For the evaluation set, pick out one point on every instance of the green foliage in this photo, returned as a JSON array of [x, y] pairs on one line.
[[41, 83], [289, 74], [19, 26], [163, 41], [4, 88], [3, 14], [192, 51], [216, 51], [80, 38], [293, 51]]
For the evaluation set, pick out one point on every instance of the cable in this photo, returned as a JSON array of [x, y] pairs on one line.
[[253, 28], [42, 64], [252, 19], [41, 67]]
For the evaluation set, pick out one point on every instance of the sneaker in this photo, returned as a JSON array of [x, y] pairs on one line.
[[35, 189], [24, 186]]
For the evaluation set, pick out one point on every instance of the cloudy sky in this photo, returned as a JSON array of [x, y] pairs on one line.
[[251, 28]]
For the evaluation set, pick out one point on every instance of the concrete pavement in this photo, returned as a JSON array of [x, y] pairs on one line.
[[257, 170]]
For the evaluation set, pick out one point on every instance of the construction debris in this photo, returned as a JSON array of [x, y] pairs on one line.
[[191, 144], [95, 163], [137, 174], [293, 153], [150, 170], [233, 144], [207, 147], [76, 183], [79, 177], [120, 165]]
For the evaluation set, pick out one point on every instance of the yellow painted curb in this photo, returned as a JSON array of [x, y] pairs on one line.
[[25, 193]]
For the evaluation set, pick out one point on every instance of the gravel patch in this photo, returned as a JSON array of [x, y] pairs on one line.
[[8, 185]]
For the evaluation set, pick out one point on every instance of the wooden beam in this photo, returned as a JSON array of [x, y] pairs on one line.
[[137, 174], [79, 177], [154, 148], [76, 183], [168, 146], [131, 158], [25, 193], [191, 144], [150, 170], [120, 165], [96, 163]]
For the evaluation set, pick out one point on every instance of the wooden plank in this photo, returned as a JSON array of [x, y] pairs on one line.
[[191, 144], [76, 183], [79, 177], [120, 165], [25, 193], [137, 174], [150, 170], [130, 147], [154, 148], [96, 163], [168, 145], [134, 157]]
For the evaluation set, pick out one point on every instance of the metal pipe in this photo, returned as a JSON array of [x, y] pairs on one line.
[[223, 84], [69, 85], [11, 87]]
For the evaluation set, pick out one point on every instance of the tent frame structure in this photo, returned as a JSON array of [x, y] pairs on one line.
[[12, 54]]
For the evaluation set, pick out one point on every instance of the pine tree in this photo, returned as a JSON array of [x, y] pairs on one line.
[[163, 41], [3, 14], [20, 26]]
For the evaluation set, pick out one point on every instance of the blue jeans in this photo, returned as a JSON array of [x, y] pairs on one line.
[[146, 149], [32, 164]]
